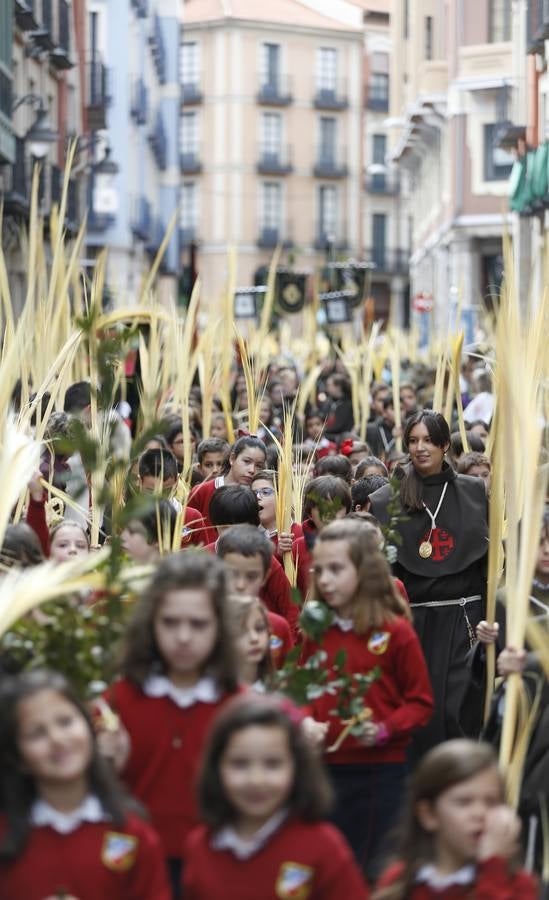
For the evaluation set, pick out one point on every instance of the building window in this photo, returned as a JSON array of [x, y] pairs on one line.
[[189, 133], [189, 208], [327, 148], [190, 63], [271, 206], [378, 86], [270, 65], [428, 48], [379, 234], [327, 207], [497, 162], [379, 151], [326, 69], [499, 22], [271, 134], [405, 18]]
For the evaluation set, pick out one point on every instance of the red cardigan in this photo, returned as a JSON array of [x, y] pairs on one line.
[[494, 882], [97, 860], [166, 747], [301, 860], [401, 699], [199, 499]]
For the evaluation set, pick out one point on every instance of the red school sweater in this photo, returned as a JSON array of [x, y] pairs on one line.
[[494, 881], [166, 748], [302, 860], [401, 699], [96, 860], [199, 499]]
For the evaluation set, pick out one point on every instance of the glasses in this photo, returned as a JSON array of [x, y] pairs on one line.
[[264, 492]]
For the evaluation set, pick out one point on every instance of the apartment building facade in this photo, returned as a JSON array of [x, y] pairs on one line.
[[271, 135], [133, 197], [451, 69], [43, 103]]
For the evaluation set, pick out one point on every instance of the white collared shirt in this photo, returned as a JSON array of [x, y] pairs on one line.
[[344, 624], [228, 839], [90, 810], [204, 691], [428, 875]]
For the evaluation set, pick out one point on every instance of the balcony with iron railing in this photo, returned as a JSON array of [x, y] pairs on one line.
[[188, 234], [25, 18], [275, 89], [270, 234], [331, 238], [330, 162], [60, 55], [157, 142], [98, 97], [191, 92], [331, 95], [43, 36], [190, 162], [142, 218], [388, 261], [156, 41], [274, 161], [140, 102], [379, 183]]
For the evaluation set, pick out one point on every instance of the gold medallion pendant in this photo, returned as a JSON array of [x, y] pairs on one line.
[[425, 550]]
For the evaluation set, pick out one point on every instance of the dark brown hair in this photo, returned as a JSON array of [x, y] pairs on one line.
[[310, 797], [442, 768], [21, 547], [327, 489], [247, 540], [198, 569], [468, 460], [337, 465], [411, 485], [376, 599], [18, 788]]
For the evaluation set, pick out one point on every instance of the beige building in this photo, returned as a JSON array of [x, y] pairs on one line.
[[452, 67], [271, 134]]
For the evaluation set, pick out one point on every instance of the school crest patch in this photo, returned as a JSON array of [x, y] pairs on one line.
[[119, 851], [294, 882], [379, 641], [275, 643]]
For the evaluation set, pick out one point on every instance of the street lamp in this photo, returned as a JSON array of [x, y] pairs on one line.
[[41, 134]]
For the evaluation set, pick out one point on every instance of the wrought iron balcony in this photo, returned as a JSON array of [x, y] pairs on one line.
[[330, 163], [190, 162], [98, 98], [140, 98], [142, 219], [156, 41], [43, 35], [187, 235], [25, 18], [157, 141], [269, 236], [330, 239], [388, 261], [331, 96], [274, 161], [191, 93], [383, 184], [60, 55], [275, 90]]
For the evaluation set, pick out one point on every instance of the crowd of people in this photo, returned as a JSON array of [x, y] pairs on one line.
[[192, 773]]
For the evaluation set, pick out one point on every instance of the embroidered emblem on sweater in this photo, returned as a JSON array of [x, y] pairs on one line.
[[119, 851], [379, 642], [294, 882], [275, 643]]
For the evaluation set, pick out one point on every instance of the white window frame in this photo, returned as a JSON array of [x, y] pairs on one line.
[[189, 133], [190, 63], [326, 68], [328, 224], [189, 214], [271, 134], [271, 206]]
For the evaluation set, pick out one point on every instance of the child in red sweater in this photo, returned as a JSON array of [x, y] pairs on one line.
[[252, 642], [263, 796], [178, 669], [67, 828], [371, 623], [247, 456], [459, 840]]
